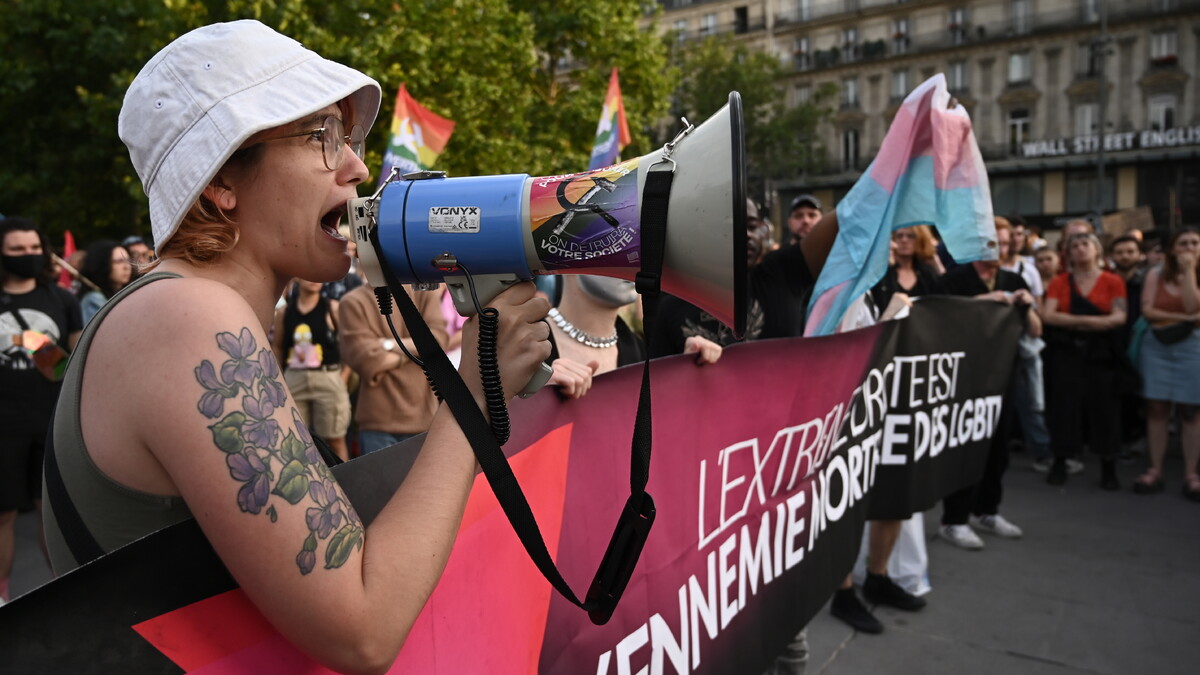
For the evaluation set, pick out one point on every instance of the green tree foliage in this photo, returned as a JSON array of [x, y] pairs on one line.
[[781, 141], [524, 81]]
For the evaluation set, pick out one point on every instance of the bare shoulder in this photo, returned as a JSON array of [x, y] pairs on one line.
[[212, 407]]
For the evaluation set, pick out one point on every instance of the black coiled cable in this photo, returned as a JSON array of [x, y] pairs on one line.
[[489, 372], [489, 362], [384, 299]]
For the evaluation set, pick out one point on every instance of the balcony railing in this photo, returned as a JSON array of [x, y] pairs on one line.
[[970, 33], [725, 28]]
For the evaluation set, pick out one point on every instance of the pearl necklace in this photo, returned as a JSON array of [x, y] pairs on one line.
[[580, 336]]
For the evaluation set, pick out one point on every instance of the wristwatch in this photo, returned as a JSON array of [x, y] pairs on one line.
[[389, 345]]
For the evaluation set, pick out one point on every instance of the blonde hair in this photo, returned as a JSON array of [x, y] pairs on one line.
[[1096, 247]]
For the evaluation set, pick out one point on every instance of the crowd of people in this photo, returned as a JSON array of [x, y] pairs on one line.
[[1109, 342]]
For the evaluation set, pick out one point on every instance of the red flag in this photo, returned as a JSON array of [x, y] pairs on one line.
[[65, 279]]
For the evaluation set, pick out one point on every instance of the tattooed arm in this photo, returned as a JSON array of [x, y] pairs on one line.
[[211, 419]]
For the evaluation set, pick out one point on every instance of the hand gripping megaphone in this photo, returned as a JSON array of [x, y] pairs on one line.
[[503, 229]]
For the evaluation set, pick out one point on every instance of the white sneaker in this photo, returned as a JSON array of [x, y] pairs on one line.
[[997, 525], [961, 536], [1074, 466]]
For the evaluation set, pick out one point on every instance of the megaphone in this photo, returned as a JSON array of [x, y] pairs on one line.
[[507, 228]]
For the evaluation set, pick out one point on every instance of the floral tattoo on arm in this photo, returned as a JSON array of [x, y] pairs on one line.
[[266, 461]]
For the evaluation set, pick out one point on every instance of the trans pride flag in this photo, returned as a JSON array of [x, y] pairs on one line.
[[928, 172], [612, 134], [418, 136]]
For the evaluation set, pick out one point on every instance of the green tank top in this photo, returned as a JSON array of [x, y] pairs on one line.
[[114, 513]]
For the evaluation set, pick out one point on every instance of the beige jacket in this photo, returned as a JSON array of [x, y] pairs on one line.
[[393, 394]]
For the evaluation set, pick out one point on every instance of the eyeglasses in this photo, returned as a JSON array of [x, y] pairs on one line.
[[904, 235], [333, 139]]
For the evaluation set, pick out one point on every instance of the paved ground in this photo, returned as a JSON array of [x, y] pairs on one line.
[[1101, 583]]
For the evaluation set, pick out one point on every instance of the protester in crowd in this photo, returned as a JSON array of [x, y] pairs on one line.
[[588, 337], [782, 284], [1155, 253], [395, 401], [1034, 241], [803, 216], [245, 192], [1084, 313], [1071, 228], [139, 251], [1020, 237], [38, 320], [979, 504], [1170, 360], [1047, 262], [1029, 378], [107, 270], [1128, 262], [305, 341], [909, 272], [678, 320]]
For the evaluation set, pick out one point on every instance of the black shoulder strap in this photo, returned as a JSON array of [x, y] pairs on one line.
[[20, 319]]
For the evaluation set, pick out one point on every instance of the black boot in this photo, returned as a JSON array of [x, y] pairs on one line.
[[847, 607], [1058, 472], [1108, 476], [881, 590]]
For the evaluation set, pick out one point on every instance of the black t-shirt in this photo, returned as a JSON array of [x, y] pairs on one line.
[[889, 285], [25, 395], [964, 281], [782, 284], [629, 346], [677, 320]]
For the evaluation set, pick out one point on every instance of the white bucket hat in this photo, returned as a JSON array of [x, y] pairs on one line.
[[203, 95]]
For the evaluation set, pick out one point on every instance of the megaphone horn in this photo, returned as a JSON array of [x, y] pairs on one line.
[[512, 227]]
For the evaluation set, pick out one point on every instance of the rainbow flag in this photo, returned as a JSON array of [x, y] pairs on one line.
[[418, 136], [928, 171], [612, 134]]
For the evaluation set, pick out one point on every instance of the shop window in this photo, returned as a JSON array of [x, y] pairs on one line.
[[1081, 191], [1020, 195]]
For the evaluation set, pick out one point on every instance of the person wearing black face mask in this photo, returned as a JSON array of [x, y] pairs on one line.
[[38, 322]]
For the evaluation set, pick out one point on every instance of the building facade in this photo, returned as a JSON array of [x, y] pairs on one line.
[[1041, 79]]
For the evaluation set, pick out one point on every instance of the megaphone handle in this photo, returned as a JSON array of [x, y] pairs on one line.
[[539, 380]]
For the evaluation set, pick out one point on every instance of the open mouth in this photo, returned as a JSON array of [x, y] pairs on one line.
[[331, 220]]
